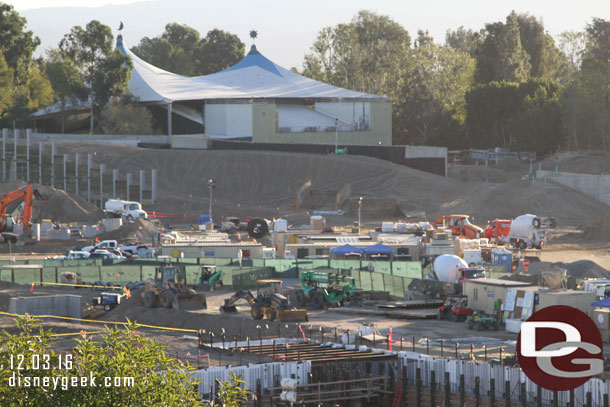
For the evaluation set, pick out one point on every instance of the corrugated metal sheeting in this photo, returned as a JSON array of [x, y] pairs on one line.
[[270, 375], [500, 373]]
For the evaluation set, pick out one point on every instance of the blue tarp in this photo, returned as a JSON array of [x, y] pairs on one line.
[[378, 249], [203, 219], [346, 249], [602, 303]]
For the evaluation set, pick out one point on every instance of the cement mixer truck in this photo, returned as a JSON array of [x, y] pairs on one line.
[[128, 210], [449, 268], [529, 231]]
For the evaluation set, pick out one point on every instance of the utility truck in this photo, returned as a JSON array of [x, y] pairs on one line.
[[128, 210]]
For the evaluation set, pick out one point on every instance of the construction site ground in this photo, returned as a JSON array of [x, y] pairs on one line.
[[258, 183]]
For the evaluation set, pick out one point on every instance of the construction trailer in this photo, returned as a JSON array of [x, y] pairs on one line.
[[249, 250]]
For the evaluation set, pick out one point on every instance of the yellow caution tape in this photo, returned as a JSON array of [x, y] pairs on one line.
[[103, 322]]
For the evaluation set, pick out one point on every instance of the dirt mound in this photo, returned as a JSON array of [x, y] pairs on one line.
[[140, 230], [233, 325], [580, 269], [257, 183], [586, 162], [59, 205], [599, 229]]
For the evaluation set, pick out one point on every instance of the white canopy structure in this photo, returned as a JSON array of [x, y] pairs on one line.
[[253, 77]]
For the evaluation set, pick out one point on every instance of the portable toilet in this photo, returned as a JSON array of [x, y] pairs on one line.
[[502, 256]]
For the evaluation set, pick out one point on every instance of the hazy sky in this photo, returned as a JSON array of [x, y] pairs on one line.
[[286, 28]]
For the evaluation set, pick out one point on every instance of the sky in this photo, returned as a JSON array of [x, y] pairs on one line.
[[286, 30]]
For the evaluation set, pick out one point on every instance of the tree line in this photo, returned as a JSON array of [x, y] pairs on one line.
[[509, 84]]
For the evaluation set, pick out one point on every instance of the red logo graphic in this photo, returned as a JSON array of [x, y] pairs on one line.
[[560, 348]]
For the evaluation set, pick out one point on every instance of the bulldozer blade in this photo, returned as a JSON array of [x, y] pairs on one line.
[[295, 315], [228, 308], [189, 302]]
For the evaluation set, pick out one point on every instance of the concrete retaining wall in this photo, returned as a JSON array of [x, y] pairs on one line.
[[58, 305], [595, 186]]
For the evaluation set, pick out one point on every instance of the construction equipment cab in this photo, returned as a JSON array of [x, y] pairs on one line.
[[269, 303], [460, 225], [319, 288], [210, 278], [25, 193], [497, 230], [470, 273], [454, 308], [170, 290]]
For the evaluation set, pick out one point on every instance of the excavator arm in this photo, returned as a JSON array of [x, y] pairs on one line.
[[229, 305]]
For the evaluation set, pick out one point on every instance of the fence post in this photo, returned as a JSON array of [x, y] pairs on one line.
[[605, 398], [447, 390], [538, 396], [259, 393], [432, 388], [418, 386], [462, 390], [571, 404], [522, 395], [405, 386], [588, 400], [492, 392], [555, 399], [477, 395], [507, 393]]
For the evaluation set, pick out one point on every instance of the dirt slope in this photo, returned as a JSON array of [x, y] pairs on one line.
[[271, 179]]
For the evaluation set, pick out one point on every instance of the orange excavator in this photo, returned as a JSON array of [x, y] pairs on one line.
[[27, 193]]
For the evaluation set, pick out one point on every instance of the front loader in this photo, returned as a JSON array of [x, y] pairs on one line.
[[268, 303], [169, 290], [319, 289]]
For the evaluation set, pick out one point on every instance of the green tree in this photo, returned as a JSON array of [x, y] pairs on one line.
[[181, 50], [232, 392], [105, 69], [217, 51], [158, 380], [125, 118], [35, 94], [367, 54], [512, 63], [66, 80], [465, 40], [6, 86], [16, 44], [431, 107]]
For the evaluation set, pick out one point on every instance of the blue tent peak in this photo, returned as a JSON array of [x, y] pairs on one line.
[[378, 249], [255, 58]]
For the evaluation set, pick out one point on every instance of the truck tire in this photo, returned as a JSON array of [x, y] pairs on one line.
[[167, 298], [150, 299], [317, 300], [522, 244], [257, 228], [553, 223], [536, 223], [271, 314], [256, 311], [299, 299], [129, 219]]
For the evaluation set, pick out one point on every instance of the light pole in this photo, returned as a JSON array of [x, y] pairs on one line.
[[336, 135], [359, 215], [211, 186]]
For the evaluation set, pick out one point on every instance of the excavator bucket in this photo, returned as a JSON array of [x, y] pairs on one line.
[[228, 308], [190, 302], [293, 315]]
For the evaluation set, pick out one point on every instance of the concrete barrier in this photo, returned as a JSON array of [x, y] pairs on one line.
[[595, 186], [58, 305], [58, 234]]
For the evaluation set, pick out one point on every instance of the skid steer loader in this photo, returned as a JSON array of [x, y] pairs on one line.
[[268, 303], [169, 290]]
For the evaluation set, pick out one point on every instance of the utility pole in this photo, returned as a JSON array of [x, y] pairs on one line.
[[336, 135], [211, 186], [359, 215]]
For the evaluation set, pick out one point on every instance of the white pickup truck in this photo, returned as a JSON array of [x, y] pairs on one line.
[[74, 255], [113, 244]]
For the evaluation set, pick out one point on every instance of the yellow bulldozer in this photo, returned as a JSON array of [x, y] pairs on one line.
[[269, 303], [169, 289]]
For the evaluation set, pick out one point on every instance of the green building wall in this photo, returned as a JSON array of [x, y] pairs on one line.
[[264, 128]]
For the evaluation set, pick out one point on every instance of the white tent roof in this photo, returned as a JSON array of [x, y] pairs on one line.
[[253, 77]]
